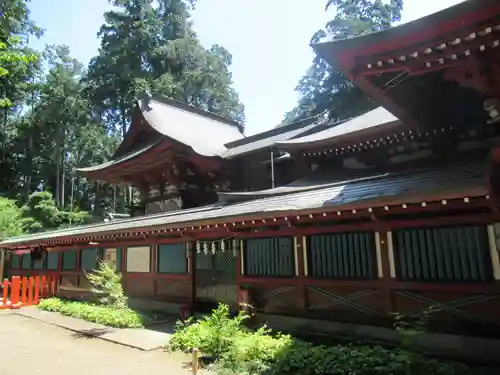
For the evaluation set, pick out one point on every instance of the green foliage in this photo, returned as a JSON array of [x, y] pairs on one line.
[[15, 58], [41, 213], [211, 335], [410, 327], [325, 89], [107, 285], [105, 315], [10, 219], [10, 56], [246, 352], [150, 46], [59, 111]]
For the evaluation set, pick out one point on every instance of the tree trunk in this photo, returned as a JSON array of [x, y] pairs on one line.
[[58, 152], [29, 167]]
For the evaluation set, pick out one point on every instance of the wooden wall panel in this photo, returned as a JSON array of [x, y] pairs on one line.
[[469, 313], [137, 286], [348, 304], [275, 298], [178, 291]]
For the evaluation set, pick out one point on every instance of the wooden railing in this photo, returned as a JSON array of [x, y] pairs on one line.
[[27, 291]]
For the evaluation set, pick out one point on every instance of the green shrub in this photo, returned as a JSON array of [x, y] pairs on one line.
[[244, 352], [105, 315], [107, 286], [212, 335]]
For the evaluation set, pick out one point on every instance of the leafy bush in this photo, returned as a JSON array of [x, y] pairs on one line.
[[10, 219], [105, 315], [107, 285], [212, 335], [40, 213], [244, 352]]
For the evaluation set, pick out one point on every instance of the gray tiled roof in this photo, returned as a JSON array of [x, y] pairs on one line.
[[371, 121], [399, 186], [206, 134], [120, 159], [268, 138]]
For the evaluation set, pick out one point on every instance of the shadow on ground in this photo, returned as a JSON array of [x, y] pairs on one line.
[[91, 333], [166, 326]]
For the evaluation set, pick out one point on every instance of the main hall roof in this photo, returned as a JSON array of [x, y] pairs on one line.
[[466, 179]]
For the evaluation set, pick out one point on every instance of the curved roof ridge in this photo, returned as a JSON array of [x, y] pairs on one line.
[[196, 111], [205, 133]]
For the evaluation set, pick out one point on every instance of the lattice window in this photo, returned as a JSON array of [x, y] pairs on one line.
[[271, 257], [225, 261], [215, 256], [342, 255], [443, 254]]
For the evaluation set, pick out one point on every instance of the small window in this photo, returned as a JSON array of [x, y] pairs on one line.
[[139, 259], [26, 262], [69, 260], [39, 264], [172, 258], [89, 259], [15, 261], [52, 261]]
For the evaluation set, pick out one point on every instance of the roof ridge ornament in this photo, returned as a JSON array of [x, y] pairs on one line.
[[143, 100]]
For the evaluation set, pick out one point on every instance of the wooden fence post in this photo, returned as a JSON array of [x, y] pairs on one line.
[[24, 285], [14, 290], [31, 290], [37, 290]]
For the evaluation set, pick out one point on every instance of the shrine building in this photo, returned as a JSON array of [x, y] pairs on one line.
[[327, 227]]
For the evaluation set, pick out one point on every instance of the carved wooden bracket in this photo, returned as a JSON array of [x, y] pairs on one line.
[[480, 75]]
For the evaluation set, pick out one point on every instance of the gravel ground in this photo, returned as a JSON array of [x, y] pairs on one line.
[[32, 347]]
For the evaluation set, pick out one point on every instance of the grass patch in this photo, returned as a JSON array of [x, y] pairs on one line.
[[106, 315], [239, 350]]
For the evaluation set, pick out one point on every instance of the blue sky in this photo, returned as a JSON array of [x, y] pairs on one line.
[[269, 40]]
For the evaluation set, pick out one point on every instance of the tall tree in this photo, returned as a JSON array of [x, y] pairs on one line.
[[151, 46], [54, 116], [15, 57], [325, 89], [18, 68]]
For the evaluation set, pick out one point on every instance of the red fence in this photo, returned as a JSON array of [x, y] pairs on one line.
[[26, 291]]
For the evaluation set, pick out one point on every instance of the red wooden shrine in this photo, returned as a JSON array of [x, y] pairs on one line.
[[314, 223]]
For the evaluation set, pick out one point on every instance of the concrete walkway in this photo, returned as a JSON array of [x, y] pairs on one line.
[[31, 347], [153, 338]]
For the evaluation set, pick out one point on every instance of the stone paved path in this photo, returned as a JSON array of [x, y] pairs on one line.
[[32, 347]]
